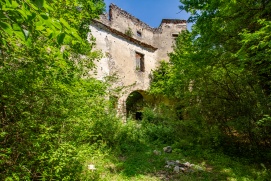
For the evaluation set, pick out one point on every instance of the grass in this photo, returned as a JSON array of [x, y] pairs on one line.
[[143, 164], [132, 158]]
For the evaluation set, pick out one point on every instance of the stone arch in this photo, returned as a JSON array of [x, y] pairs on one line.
[[134, 104]]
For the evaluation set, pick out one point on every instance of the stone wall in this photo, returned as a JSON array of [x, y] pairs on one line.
[[165, 38], [132, 56]]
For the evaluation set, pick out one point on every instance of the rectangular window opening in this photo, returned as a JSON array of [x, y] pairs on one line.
[[138, 33], [140, 62]]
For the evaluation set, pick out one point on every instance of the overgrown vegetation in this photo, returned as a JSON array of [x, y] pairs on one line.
[[55, 120], [132, 155], [47, 108], [129, 32], [220, 73]]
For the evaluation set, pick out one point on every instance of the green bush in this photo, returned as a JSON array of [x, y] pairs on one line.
[[130, 137], [156, 125], [162, 125]]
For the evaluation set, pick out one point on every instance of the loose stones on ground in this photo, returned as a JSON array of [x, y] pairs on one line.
[[177, 166], [184, 167], [167, 149], [157, 152]]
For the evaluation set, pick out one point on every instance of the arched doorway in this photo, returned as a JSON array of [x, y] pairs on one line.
[[134, 105]]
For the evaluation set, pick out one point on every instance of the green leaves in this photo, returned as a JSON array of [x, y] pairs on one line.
[[60, 38], [6, 27], [221, 70], [44, 16], [39, 3], [18, 16], [15, 30], [18, 31], [42, 90], [65, 23]]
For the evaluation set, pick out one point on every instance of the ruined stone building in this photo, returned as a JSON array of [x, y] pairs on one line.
[[132, 49]]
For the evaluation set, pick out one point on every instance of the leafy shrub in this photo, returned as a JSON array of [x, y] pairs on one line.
[[156, 125], [129, 32], [130, 137], [106, 128], [163, 126], [45, 103]]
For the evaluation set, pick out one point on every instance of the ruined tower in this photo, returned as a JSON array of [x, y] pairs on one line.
[[132, 49]]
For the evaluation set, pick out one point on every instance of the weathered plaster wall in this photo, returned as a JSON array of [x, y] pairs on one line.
[[120, 57], [122, 21], [164, 39], [119, 49], [102, 65]]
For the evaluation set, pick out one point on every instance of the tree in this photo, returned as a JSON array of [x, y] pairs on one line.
[[47, 102], [221, 70]]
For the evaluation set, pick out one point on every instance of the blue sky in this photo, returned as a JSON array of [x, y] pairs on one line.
[[151, 11]]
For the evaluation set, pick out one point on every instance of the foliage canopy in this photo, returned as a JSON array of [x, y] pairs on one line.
[[48, 103], [221, 71]]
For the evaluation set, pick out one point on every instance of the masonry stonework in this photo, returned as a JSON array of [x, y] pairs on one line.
[[131, 49]]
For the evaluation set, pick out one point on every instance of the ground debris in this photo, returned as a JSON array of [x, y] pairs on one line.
[[186, 167]]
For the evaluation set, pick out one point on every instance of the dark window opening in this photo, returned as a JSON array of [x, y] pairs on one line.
[[138, 33], [175, 36], [140, 62], [138, 116], [134, 105], [110, 17]]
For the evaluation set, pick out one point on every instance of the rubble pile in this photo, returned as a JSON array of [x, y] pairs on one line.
[[178, 167]]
